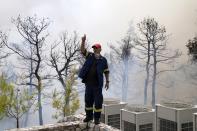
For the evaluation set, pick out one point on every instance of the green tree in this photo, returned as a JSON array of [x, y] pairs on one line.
[[13, 102], [63, 56], [6, 95], [71, 94], [19, 104], [33, 31]]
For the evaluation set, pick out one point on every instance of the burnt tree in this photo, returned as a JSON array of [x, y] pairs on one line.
[[152, 42], [123, 54], [33, 33], [64, 55]]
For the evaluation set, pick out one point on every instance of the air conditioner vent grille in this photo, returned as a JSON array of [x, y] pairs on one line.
[[187, 126], [114, 120], [103, 118], [129, 126], [167, 125], [146, 127]]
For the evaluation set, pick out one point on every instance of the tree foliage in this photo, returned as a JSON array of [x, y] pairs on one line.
[[6, 95], [13, 102], [19, 104], [60, 98], [33, 32], [63, 56]]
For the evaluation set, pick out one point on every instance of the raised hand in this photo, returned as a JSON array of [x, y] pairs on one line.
[[83, 38]]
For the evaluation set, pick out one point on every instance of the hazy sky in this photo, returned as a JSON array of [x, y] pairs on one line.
[[107, 21]]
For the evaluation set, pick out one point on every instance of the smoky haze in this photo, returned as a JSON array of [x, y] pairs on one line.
[[107, 21]]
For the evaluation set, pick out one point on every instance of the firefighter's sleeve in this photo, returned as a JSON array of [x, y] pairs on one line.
[[106, 69], [85, 53]]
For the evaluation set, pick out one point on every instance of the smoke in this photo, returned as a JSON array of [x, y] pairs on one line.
[[133, 93], [106, 21]]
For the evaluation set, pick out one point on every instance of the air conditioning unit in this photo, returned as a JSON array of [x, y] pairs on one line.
[[174, 116], [195, 121], [110, 114], [137, 118]]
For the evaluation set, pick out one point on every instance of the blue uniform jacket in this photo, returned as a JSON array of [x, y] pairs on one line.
[[102, 67]]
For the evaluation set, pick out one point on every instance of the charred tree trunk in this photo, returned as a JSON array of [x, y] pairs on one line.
[[154, 77], [146, 86], [17, 109], [17, 122], [39, 100], [147, 75], [69, 54], [30, 88], [39, 84]]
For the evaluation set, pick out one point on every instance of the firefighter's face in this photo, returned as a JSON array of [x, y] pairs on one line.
[[97, 50]]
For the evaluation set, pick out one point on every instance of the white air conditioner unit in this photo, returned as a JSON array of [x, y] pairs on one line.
[[110, 114], [137, 118], [195, 121], [174, 116]]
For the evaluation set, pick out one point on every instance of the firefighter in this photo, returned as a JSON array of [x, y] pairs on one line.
[[91, 74]]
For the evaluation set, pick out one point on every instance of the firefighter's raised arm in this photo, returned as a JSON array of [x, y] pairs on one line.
[[83, 39]]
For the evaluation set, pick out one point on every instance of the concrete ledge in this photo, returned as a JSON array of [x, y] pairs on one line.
[[72, 123]]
